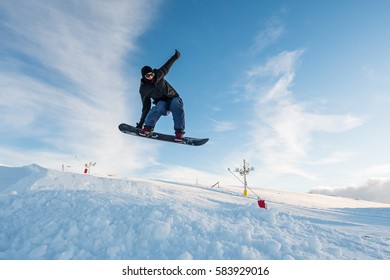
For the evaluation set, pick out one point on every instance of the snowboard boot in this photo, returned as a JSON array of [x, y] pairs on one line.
[[146, 131], [179, 135]]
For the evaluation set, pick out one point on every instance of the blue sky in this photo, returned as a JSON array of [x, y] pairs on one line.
[[300, 89]]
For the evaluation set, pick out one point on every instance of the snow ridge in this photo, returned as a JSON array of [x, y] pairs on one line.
[[47, 214]]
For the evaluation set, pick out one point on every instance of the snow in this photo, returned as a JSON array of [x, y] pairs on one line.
[[47, 214]]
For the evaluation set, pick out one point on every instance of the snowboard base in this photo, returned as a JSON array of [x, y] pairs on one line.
[[128, 129]]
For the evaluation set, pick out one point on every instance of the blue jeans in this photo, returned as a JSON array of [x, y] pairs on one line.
[[162, 108]]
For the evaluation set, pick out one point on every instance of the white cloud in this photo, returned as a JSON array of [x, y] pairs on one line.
[[63, 88], [377, 170], [280, 71], [375, 189], [334, 157], [222, 126], [285, 127], [273, 30]]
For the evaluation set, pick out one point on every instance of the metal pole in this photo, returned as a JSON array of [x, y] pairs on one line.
[[245, 182]]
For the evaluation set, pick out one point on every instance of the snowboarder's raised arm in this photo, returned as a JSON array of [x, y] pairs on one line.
[[165, 68]]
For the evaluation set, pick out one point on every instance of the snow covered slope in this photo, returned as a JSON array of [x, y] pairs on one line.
[[46, 214]]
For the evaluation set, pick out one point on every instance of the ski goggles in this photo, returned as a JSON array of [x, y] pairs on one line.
[[149, 75]]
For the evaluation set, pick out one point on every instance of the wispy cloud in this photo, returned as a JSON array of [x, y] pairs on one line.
[[63, 85], [222, 126], [285, 126], [273, 30]]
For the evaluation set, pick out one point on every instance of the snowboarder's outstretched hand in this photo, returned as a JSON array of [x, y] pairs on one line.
[[139, 125], [177, 54]]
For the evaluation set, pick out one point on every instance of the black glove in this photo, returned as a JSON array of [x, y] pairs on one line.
[[139, 125], [177, 54]]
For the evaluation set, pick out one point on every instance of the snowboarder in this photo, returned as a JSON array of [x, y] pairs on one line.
[[165, 99]]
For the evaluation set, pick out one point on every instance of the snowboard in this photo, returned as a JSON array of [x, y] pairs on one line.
[[128, 129]]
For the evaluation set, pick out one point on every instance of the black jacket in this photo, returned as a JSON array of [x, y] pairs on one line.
[[156, 89]]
